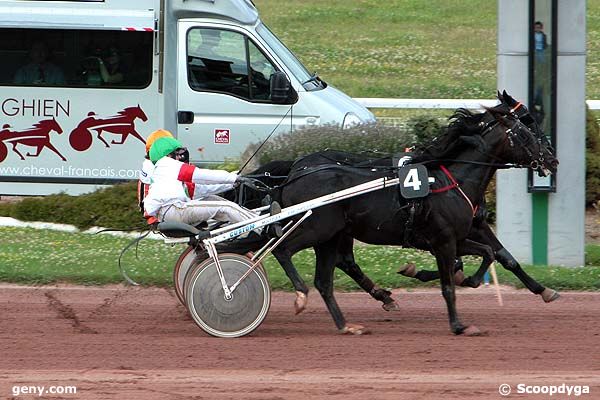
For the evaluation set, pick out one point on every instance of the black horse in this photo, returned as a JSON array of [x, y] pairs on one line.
[[442, 222], [481, 232], [273, 174]]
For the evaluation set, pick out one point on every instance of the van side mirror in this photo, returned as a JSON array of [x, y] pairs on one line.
[[281, 89]]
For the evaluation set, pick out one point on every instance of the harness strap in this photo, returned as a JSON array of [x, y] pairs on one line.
[[454, 185], [302, 172], [516, 107]]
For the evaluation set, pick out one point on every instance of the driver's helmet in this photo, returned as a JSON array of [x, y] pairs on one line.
[[164, 147], [156, 135]]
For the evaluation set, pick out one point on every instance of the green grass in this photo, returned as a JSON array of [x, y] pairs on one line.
[[367, 48], [405, 48], [592, 254], [32, 256]]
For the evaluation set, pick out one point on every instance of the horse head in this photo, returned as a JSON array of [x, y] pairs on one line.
[[49, 125], [514, 142], [137, 112], [547, 160]]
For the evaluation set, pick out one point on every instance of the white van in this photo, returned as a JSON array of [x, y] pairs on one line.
[[83, 83]]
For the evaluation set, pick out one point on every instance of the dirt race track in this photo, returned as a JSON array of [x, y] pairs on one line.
[[132, 343]]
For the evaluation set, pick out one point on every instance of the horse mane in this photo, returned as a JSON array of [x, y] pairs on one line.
[[43, 122], [463, 123], [273, 168], [446, 146], [340, 157]]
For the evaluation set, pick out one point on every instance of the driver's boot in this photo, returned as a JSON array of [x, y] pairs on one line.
[[275, 230]]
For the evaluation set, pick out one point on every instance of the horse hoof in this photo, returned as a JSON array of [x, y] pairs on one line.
[[352, 329], [472, 330], [300, 302], [459, 277], [409, 270], [550, 295], [392, 306]]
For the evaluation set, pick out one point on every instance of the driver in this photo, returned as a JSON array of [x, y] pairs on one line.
[[169, 199]]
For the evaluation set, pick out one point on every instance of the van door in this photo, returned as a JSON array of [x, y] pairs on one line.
[[223, 94]]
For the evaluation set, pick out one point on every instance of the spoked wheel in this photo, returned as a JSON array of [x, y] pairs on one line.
[[182, 266], [186, 260], [223, 317]]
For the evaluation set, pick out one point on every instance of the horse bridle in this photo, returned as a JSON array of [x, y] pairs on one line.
[[522, 114], [517, 134]]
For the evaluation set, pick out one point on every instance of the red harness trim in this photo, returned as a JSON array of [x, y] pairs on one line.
[[454, 185]]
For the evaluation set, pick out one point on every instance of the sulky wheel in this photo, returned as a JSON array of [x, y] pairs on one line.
[[80, 139], [3, 151], [206, 301], [182, 266], [186, 260]]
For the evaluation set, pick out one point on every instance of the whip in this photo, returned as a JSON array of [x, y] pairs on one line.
[[265, 141]]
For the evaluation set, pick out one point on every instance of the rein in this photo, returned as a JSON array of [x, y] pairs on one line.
[[311, 170]]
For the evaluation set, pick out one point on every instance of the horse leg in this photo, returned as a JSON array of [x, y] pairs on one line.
[[424, 275], [347, 264], [99, 132], [37, 153], [326, 255], [485, 235], [284, 257], [51, 147], [14, 147], [445, 254], [475, 248], [131, 132], [508, 262], [459, 275]]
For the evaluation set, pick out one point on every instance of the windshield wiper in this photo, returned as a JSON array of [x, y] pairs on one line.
[[313, 78]]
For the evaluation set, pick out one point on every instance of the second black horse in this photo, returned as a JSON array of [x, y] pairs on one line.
[[474, 146]]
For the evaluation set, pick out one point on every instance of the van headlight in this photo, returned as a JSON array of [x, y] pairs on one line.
[[351, 119]]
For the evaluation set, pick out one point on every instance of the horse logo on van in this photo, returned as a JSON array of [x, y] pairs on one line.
[[121, 124], [222, 136], [37, 136]]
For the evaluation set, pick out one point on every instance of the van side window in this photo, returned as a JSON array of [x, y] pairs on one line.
[[76, 58], [227, 62]]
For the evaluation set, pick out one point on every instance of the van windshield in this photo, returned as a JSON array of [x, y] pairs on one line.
[[290, 60]]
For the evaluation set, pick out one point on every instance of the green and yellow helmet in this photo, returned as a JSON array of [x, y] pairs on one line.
[[163, 147]]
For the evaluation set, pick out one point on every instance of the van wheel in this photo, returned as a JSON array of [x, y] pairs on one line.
[[80, 139]]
